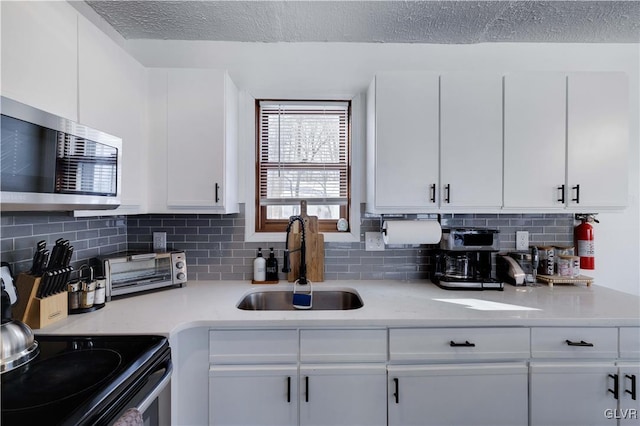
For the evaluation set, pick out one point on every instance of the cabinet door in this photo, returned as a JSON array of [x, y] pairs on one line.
[[571, 394], [534, 140], [598, 139], [458, 394], [201, 121], [629, 393], [112, 98], [471, 140], [346, 395], [40, 55], [253, 395], [403, 139]]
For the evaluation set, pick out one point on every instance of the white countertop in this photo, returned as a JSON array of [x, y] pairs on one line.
[[386, 304]]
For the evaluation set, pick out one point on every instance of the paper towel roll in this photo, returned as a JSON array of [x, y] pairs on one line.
[[411, 232]]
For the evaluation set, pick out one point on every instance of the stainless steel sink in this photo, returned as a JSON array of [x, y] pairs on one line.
[[282, 300]]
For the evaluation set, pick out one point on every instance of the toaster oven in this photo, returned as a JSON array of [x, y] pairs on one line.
[[127, 273]]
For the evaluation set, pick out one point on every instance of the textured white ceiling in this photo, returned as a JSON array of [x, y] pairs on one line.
[[444, 22]]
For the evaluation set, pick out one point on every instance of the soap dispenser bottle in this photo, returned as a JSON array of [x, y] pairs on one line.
[[272, 266], [259, 267]]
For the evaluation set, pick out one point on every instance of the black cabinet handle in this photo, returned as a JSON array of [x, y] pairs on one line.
[[561, 189], [217, 193], [615, 385], [447, 197], [631, 392], [306, 389], [289, 389], [432, 198], [577, 189], [466, 344], [397, 392], [580, 343]]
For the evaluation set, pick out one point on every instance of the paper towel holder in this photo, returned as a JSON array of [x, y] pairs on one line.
[[383, 218]]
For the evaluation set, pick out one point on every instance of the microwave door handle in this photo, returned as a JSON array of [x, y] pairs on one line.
[[157, 390], [145, 256]]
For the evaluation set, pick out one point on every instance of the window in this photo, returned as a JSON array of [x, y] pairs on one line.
[[303, 153]]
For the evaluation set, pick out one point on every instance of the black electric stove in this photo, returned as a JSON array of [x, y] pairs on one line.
[[81, 380]]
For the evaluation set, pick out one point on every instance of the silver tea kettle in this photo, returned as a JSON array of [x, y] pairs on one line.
[[18, 343]]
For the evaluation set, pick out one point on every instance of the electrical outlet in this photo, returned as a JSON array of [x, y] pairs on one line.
[[373, 241], [522, 240], [159, 241]]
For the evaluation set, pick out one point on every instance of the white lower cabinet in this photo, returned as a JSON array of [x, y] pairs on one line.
[[576, 379], [458, 376], [511, 376], [572, 393], [253, 395], [298, 377], [346, 395], [458, 394], [628, 410]]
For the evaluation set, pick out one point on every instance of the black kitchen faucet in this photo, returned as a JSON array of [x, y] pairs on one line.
[[286, 267]]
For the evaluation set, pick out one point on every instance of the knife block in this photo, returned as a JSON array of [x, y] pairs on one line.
[[34, 311]]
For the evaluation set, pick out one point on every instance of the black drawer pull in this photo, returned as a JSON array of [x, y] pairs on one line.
[[217, 195], [580, 343], [614, 391], [561, 189], [466, 344], [631, 392], [432, 198], [397, 392], [306, 389], [577, 189]]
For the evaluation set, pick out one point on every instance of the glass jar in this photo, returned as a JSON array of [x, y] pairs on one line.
[[568, 266]]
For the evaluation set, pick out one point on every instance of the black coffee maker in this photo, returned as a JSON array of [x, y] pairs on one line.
[[464, 260]]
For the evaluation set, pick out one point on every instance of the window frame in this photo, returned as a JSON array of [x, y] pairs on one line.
[[262, 223]]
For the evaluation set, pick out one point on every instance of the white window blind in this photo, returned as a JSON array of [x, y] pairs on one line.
[[303, 155]]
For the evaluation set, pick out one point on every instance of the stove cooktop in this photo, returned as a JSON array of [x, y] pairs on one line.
[[77, 380]]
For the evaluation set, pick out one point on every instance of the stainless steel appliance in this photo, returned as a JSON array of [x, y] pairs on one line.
[[133, 272], [88, 380], [518, 267], [51, 163], [469, 239], [464, 260]]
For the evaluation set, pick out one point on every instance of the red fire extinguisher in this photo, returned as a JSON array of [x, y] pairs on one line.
[[584, 240]]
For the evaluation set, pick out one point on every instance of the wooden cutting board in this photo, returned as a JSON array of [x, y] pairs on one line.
[[314, 247]]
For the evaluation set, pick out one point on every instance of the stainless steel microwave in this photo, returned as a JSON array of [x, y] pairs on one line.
[[52, 163]]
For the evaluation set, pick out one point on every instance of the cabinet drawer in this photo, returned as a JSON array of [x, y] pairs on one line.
[[351, 345], [458, 344], [253, 346], [630, 342], [574, 342]]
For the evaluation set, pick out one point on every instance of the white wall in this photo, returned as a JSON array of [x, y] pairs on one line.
[[318, 69]]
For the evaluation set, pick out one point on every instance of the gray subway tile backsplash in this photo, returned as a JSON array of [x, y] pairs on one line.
[[216, 249]]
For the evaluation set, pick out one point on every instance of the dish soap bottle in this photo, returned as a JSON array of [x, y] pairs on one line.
[[259, 267], [272, 266]]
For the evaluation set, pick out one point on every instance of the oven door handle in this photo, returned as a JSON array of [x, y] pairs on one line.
[[157, 390]]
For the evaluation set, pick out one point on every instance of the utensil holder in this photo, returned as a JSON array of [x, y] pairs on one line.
[[34, 311]]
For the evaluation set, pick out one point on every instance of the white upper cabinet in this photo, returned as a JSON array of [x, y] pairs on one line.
[[597, 140], [40, 55], [566, 141], [470, 140], [402, 142], [534, 140], [196, 157], [112, 98]]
